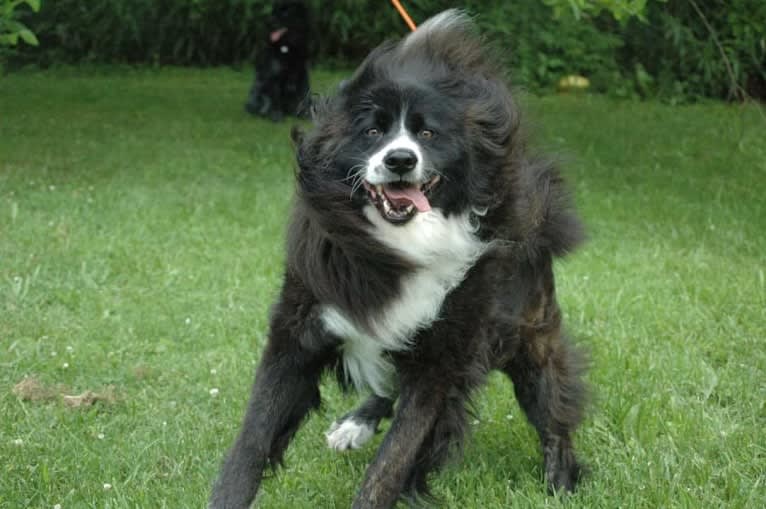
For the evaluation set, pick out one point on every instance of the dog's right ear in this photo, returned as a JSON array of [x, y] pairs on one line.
[[297, 135], [367, 70]]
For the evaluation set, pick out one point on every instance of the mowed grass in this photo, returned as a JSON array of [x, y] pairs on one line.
[[141, 244]]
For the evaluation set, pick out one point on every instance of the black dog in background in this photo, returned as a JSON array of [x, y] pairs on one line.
[[281, 83]]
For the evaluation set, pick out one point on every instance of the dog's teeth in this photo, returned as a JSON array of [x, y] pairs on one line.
[[386, 206], [379, 188], [410, 207]]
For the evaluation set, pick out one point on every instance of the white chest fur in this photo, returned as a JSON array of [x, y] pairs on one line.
[[444, 248]]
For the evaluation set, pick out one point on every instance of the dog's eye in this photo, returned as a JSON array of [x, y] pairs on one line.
[[373, 131], [425, 134]]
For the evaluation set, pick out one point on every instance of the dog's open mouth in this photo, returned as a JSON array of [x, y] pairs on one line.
[[397, 202]]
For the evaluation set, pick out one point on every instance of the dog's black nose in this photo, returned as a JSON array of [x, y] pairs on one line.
[[400, 160]]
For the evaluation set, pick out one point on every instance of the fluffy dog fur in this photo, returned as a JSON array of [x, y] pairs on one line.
[[418, 298]]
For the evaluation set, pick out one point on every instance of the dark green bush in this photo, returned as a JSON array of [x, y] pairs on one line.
[[674, 52], [540, 48], [183, 32], [683, 52]]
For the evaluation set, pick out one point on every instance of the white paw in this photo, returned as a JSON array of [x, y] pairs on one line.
[[348, 434]]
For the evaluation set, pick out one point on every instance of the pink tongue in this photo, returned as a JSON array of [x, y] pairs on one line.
[[401, 197], [277, 34]]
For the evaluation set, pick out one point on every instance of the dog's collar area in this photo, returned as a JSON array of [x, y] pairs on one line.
[[399, 201]]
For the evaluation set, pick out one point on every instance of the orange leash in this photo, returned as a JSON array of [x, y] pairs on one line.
[[404, 15]]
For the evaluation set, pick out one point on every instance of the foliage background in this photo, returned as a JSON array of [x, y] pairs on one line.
[[674, 50], [11, 30]]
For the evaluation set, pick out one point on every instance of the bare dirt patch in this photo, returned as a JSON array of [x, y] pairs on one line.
[[33, 389]]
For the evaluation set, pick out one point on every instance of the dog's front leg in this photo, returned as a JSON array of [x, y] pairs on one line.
[[419, 407], [285, 390]]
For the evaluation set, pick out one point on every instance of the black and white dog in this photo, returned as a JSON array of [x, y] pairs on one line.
[[419, 258]]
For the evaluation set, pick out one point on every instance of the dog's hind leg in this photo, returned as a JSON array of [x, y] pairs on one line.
[[444, 440], [429, 422], [354, 429], [547, 378], [285, 390]]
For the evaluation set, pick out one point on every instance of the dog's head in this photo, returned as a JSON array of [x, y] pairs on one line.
[[425, 123]]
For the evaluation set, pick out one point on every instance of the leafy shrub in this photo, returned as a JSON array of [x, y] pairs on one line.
[[680, 49], [184, 32], [541, 47], [12, 30], [696, 48]]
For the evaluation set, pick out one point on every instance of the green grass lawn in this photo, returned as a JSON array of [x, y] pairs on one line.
[[141, 244]]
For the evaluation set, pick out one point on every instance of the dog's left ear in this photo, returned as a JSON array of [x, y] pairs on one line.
[[296, 135]]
